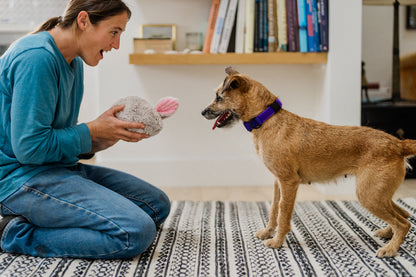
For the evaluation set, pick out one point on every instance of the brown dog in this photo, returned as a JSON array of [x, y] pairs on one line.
[[298, 150]]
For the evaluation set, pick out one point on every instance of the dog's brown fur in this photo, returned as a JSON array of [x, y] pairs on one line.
[[298, 150]]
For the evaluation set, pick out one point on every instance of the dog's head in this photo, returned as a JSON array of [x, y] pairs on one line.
[[229, 102]]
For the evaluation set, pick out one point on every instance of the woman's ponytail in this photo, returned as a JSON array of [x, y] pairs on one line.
[[48, 24]]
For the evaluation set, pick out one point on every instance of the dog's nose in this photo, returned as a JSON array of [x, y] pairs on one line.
[[204, 112]]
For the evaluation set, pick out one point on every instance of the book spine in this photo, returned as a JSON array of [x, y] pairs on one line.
[[323, 24], [215, 4], [249, 26], [282, 24], [256, 26], [239, 31], [292, 28], [303, 32], [265, 27], [228, 26], [312, 21], [272, 20], [219, 24], [316, 26]]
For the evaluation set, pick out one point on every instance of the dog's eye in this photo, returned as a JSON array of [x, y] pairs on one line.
[[218, 99]]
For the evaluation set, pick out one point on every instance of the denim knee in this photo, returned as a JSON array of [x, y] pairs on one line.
[[164, 208], [140, 236]]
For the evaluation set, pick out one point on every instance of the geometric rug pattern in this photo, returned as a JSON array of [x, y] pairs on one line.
[[328, 238]]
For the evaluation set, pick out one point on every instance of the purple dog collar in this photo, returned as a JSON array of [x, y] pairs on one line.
[[257, 121]]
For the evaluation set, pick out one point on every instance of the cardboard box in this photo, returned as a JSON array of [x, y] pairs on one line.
[[408, 76], [159, 45]]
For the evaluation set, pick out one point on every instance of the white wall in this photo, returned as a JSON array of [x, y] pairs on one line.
[[187, 152]]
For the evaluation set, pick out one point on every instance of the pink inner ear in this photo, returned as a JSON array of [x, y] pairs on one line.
[[167, 106]]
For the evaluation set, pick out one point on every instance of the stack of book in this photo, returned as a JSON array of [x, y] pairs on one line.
[[247, 26]]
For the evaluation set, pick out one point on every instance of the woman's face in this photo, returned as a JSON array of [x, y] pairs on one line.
[[101, 37]]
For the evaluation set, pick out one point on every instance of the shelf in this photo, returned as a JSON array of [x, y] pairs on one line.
[[229, 58]]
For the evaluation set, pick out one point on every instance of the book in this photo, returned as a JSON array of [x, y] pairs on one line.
[[231, 43], [228, 26], [303, 31], [272, 25], [219, 24], [312, 23], [292, 26], [240, 26], [215, 4], [256, 39], [265, 26], [282, 25], [323, 24], [249, 27]]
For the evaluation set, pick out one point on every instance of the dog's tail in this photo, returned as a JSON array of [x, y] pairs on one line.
[[408, 147]]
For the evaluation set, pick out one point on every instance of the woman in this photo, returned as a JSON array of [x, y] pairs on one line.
[[53, 206]]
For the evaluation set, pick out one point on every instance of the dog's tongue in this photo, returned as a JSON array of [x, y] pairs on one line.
[[219, 120]]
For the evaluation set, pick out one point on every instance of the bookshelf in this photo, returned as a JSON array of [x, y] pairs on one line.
[[229, 58], [255, 58]]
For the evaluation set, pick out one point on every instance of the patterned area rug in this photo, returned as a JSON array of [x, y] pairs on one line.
[[328, 238]]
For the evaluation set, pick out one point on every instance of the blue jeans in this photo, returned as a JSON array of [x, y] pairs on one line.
[[83, 212]]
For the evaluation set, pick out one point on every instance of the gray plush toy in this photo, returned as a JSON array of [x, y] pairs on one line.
[[139, 110]]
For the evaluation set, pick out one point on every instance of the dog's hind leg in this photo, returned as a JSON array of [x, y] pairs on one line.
[[375, 192], [388, 232], [286, 205], [271, 226]]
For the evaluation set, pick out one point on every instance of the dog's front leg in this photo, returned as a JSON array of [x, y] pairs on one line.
[[271, 226], [287, 202]]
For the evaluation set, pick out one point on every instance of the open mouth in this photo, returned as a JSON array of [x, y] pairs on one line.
[[224, 119], [102, 53]]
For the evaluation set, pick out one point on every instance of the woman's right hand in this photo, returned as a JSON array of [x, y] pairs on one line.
[[107, 130]]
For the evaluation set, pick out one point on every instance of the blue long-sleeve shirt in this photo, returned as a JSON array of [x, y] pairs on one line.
[[40, 96]]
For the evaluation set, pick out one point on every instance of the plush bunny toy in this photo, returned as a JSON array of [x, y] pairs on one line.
[[139, 110]]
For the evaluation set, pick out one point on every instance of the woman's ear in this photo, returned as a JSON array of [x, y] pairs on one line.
[[83, 20]]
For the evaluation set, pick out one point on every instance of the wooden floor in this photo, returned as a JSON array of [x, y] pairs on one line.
[[264, 193]]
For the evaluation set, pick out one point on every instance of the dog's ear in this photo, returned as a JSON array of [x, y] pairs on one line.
[[234, 82], [230, 71]]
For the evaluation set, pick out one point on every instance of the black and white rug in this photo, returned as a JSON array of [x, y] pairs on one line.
[[328, 238]]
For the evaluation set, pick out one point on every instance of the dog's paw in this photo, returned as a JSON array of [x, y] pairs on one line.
[[272, 243], [264, 234], [386, 233], [386, 251]]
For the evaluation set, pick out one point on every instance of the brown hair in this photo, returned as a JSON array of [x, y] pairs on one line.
[[97, 10]]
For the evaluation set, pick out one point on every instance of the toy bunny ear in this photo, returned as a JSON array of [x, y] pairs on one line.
[[167, 106]]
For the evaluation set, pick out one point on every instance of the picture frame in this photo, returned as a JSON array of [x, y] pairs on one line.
[[411, 17], [162, 31]]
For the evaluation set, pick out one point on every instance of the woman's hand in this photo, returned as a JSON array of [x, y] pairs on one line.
[[107, 130]]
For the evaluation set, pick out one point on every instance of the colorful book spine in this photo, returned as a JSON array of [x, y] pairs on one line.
[[323, 24], [256, 26], [303, 29], [282, 25], [215, 4], [313, 30], [219, 24], [272, 20], [292, 26], [265, 28]]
